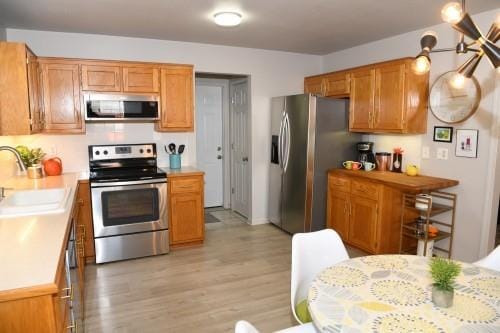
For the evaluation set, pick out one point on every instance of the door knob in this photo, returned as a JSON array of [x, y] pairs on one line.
[[219, 157], [245, 159], [219, 148]]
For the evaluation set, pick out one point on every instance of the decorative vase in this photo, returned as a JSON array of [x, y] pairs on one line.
[[442, 298], [35, 171]]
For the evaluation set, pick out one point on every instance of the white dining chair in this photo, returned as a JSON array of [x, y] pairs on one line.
[[244, 326], [491, 261], [311, 253]]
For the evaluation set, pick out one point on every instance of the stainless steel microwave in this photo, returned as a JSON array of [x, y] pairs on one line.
[[109, 107]]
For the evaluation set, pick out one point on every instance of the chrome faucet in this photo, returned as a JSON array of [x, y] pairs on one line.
[[20, 163]]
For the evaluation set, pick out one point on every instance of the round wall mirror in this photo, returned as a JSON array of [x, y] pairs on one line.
[[454, 99]]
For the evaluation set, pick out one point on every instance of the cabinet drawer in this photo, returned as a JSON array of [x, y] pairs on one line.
[[185, 185], [339, 184], [365, 189]]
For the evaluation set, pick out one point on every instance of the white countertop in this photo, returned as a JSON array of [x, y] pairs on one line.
[[30, 246]]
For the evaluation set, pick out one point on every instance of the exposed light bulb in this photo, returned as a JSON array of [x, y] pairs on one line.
[[458, 81], [451, 12], [227, 19], [421, 65]]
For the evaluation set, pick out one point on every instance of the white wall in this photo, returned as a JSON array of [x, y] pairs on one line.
[[3, 33], [471, 213], [272, 74]]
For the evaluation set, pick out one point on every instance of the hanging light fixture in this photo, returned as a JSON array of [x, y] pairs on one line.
[[454, 13]]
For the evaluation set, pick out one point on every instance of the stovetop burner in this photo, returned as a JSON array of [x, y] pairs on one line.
[[127, 162], [126, 174]]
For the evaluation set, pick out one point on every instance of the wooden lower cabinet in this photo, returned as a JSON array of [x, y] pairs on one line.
[[366, 215], [186, 210], [85, 223]]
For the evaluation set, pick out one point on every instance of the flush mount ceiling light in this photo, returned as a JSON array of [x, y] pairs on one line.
[[455, 14], [227, 19]]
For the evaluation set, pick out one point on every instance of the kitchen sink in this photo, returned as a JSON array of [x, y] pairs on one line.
[[35, 202]]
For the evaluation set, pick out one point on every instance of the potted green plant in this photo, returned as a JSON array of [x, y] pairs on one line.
[[32, 159], [444, 273]]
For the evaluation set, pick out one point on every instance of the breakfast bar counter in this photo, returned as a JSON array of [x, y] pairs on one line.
[[401, 181]]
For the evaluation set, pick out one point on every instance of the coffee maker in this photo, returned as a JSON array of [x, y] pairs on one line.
[[365, 152]]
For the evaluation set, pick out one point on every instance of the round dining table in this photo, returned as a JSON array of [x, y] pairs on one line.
[[392, 294]]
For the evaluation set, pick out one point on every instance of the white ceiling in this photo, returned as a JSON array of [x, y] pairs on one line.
[[304, 26]]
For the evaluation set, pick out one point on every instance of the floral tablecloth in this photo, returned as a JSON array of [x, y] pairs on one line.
[[392, 294]]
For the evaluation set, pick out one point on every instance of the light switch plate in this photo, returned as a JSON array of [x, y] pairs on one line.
[[442, 153], [426, 152]]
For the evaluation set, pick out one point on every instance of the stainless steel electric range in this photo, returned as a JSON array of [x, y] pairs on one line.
[[129, 204]]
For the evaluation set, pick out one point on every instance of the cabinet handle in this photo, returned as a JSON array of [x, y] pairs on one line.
[[73, 325], [84, 231], [350, 210], [68, 295]]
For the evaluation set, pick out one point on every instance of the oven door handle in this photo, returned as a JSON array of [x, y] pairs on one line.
[[131, 182]]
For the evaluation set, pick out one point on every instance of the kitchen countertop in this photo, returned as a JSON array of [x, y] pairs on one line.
[[183, 172], [31, 246], [402, 181]]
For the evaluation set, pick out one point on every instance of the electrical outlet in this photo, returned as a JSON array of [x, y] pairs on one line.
[[442, 153], [53, 150], [426, 152]]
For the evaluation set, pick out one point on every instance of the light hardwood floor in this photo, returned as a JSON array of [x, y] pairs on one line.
[[241, 272]]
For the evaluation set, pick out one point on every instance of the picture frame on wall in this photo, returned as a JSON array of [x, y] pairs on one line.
[[466, 145], [443, 134]]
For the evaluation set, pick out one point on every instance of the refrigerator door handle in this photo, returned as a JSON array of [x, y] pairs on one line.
[[288, 139], [280, 143]]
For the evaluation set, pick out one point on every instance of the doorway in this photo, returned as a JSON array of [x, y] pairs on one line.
[[223, 140]]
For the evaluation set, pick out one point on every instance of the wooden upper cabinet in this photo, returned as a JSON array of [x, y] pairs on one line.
[[389, 97], [101, 78], [141, 79], [35, 93], [176, 94], [337, 84], [315, 85], [361, 106], [386, 97], [21, 109], [61, 96]]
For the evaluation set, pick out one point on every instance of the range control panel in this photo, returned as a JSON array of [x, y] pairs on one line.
[[114, 152]]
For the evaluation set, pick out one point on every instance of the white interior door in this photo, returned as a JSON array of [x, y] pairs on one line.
[[240, 182], [209, 153]]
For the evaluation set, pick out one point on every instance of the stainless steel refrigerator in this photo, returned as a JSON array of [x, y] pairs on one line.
[[309, 135]]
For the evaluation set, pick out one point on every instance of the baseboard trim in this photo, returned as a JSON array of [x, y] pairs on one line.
[[259, 221]]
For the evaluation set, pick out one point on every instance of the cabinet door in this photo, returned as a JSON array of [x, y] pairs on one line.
[[101, 78], [85, 219], [176, 96], [337, 215], [186, 219], [61, 96], [314, 85], [35, 93], [337, 84], [362, 99], [140, 79], [389, 97], [363, 223]]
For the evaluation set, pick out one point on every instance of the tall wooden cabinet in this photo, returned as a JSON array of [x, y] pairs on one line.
[[385, 97], [21, 111], [61, 96], [176, 84], [186, 209]]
